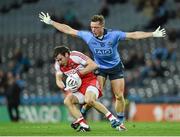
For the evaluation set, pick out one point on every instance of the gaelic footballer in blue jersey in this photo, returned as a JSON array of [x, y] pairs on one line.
[[103, 44]]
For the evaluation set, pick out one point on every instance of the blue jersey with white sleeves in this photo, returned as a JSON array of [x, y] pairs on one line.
[[105, 50]]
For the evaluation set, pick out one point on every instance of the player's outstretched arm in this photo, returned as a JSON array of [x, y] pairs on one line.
[[141, 35], [59, 26]]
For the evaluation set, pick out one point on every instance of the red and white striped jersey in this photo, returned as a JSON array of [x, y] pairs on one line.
[[77, 61]]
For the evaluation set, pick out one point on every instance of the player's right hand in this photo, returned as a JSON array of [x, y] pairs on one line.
[[159, 32], [45, 18]]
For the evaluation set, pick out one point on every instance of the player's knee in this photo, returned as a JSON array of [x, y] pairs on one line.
[[119, 97], [90, 102]]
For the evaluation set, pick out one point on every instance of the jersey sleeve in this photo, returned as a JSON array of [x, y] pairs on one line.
[[121, 35], [57, 69], [85, 35], [79, 58]]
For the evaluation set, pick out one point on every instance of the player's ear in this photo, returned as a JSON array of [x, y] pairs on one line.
[[103, 26], [66, 55]]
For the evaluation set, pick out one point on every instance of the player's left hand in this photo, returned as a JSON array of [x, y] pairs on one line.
[[45, 18], [159, 32]]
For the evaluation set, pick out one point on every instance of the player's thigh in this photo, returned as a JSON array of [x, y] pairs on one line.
[[71, 99], [79, 98], [101, 76], [101, 81], [118, 86], [91, 94]]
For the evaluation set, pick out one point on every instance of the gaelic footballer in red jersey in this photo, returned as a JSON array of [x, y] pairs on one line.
[[78, 66], [73, 64]]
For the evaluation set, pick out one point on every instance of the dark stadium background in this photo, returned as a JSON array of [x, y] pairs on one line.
[[152, 65]]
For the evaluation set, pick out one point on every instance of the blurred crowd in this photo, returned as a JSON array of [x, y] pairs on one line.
[[152, 65], [11, 84]]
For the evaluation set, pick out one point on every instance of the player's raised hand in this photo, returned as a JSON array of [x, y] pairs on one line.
[[45, 18], [159, 32]]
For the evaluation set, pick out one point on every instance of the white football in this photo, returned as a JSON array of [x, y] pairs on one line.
[[73, 82]]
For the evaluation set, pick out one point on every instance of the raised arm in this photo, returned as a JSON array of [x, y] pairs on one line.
[[59, 26], [141, 35]]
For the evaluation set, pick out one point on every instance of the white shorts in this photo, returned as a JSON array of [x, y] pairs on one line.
[[81, 97]]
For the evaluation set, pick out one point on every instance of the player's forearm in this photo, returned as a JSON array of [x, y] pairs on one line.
[[139, 35], [86, 71], [60, 84], [142, 35], [63, 28], [89, 68]]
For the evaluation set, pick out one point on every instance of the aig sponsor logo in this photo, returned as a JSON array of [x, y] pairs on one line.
[[103, 52]]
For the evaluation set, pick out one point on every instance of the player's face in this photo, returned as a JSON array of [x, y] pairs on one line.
[[62, 60], [97, 29]]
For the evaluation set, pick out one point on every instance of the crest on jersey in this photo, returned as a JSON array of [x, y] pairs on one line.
[[102, 44], [110, 43]]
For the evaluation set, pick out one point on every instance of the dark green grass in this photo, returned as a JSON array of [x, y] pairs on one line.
[[98, 129]]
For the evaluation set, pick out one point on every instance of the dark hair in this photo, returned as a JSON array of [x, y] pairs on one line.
[[99, 18], [61, 50]]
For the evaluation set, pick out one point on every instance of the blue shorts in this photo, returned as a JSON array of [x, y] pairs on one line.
[[116, 72]]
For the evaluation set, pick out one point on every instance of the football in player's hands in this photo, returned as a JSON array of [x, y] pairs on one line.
[[73, 82]]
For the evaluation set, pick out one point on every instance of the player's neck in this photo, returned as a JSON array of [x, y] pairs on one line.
[[100, 37]]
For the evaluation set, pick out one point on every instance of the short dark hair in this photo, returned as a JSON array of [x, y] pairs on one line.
[[99, 18], [61, 50]]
